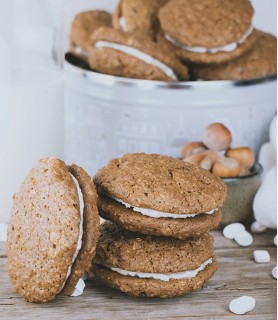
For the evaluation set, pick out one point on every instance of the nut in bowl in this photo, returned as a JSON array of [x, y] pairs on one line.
[[236, 166]]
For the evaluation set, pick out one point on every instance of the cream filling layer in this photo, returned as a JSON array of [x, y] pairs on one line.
[[80, 51], [123, 25], [158, 214], [139, 55], [163, 276], [81, 284], [227, 48]]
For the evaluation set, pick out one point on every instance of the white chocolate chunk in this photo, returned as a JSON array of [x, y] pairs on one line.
[[257, 227], [79, 288], [261, 256], [242, 305], [243, 238], [274, 272], [230, 230], [275, 240], [3, 232]]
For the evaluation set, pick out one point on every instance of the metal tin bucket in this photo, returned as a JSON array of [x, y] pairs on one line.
[[107, 116]]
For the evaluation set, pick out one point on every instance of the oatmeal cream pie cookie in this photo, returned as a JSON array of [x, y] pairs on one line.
[[159, 195], [83, 26], [149, 266], [137, 16], [260, 61], [53, 231], [208, 31], [129, 55]]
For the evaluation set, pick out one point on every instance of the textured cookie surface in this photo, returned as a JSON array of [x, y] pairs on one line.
[[219, 57], [153, 288], [132, 251], [258, 62], [43, 231], [135, 252], [178, 228], [206, 23], [90, 236], [161, 183], [139, 16], [85, 23], [117, 63]]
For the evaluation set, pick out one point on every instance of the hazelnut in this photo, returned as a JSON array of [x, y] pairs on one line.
[[226, 167], [244, 155], [192, 148], [217, 137]]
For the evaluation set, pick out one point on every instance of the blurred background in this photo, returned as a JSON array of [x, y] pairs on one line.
[[34, 121]]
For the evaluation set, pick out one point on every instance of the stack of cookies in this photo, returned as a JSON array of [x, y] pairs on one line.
[[160, 209], [175, 40]]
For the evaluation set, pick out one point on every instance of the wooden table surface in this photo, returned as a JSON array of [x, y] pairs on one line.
[[238, 275]]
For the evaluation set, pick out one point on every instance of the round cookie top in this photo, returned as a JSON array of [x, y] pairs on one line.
[[44, 231], [86, 23], [136, 252], [131, 50], [161, 183], [206, 23], [258, 62], [137, 16]]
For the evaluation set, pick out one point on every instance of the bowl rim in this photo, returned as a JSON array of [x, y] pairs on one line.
[[153, 84], [256, 170]]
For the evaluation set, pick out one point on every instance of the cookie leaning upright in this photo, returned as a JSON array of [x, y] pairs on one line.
[[151, 266], [53, 231], [130, 55], [159, 195], [208, 31]]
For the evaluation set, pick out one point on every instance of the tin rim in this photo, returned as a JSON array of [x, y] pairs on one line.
[[106, 79]]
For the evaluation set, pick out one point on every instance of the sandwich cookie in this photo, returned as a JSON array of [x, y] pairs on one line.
[[208, 31], [83, 25], [149, 266], [260, 61], [137, 16], [129, 55], [53, 231], [159, 195]]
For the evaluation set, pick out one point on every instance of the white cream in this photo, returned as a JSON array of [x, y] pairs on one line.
[[163, 276], [79, 288], [123, 25], [79, 242], [80, 51], [158, 214], [139, 55], [227, 48]]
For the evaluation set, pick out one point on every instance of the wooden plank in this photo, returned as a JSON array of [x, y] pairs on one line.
[[237, 275]]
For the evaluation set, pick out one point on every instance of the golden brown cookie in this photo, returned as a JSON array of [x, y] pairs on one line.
[[51, 239], [152, 266], [83, 26], [159, 195], [208, 31], [137, 16], [260, 61], [129, 55], [129, 219]]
